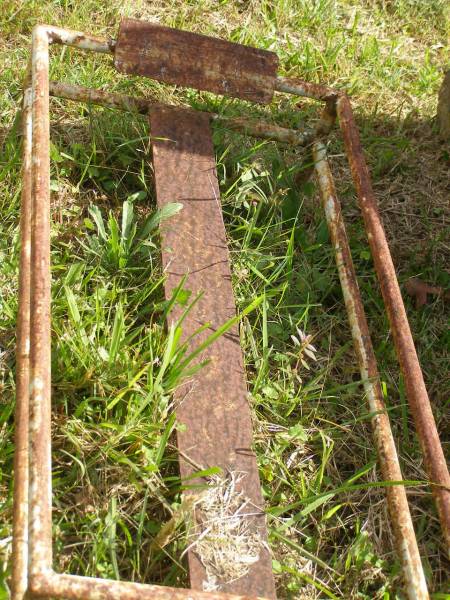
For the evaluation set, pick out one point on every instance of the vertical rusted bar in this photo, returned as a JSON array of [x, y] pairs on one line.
[[40, 528], [384, 441], [327, 119], [20, 504], [403, 340], [213, 405]]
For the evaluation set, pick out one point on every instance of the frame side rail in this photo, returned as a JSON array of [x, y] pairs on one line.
[[406, 352], [400, 515]]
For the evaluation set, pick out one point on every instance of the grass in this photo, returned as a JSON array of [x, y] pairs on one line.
[[115, 364]]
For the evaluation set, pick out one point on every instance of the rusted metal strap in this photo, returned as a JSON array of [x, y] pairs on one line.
[[196, 61], [213, 405]]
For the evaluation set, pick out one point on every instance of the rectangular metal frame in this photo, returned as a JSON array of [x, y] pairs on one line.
[[32, 533]]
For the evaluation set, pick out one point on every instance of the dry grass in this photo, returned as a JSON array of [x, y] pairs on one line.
[[221, 532]]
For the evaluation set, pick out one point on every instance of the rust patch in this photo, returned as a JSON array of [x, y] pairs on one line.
[[213, 405], [196, 61], [327, 118]]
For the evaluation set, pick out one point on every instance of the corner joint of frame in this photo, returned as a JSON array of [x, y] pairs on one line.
[[39, 582], [40, 31]]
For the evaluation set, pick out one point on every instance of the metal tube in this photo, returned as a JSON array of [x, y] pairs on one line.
[[298, 87], [79, 93], [19, 578], [141, 105], [40, 526], [401, 521], [267, 131], [78, 39], [73, 587], [403, 340]]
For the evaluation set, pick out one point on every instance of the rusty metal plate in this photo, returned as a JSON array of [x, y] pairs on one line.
[[196, 61], [213, 404]]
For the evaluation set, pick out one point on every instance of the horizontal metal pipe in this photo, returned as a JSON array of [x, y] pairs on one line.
[[246, 126], [73, 587], [79, 93], [298, 87], [403, 340], [401, 521], [77, 39], [260, 129]]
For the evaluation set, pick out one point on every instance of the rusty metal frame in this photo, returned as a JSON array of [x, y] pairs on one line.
[[32, 574]]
